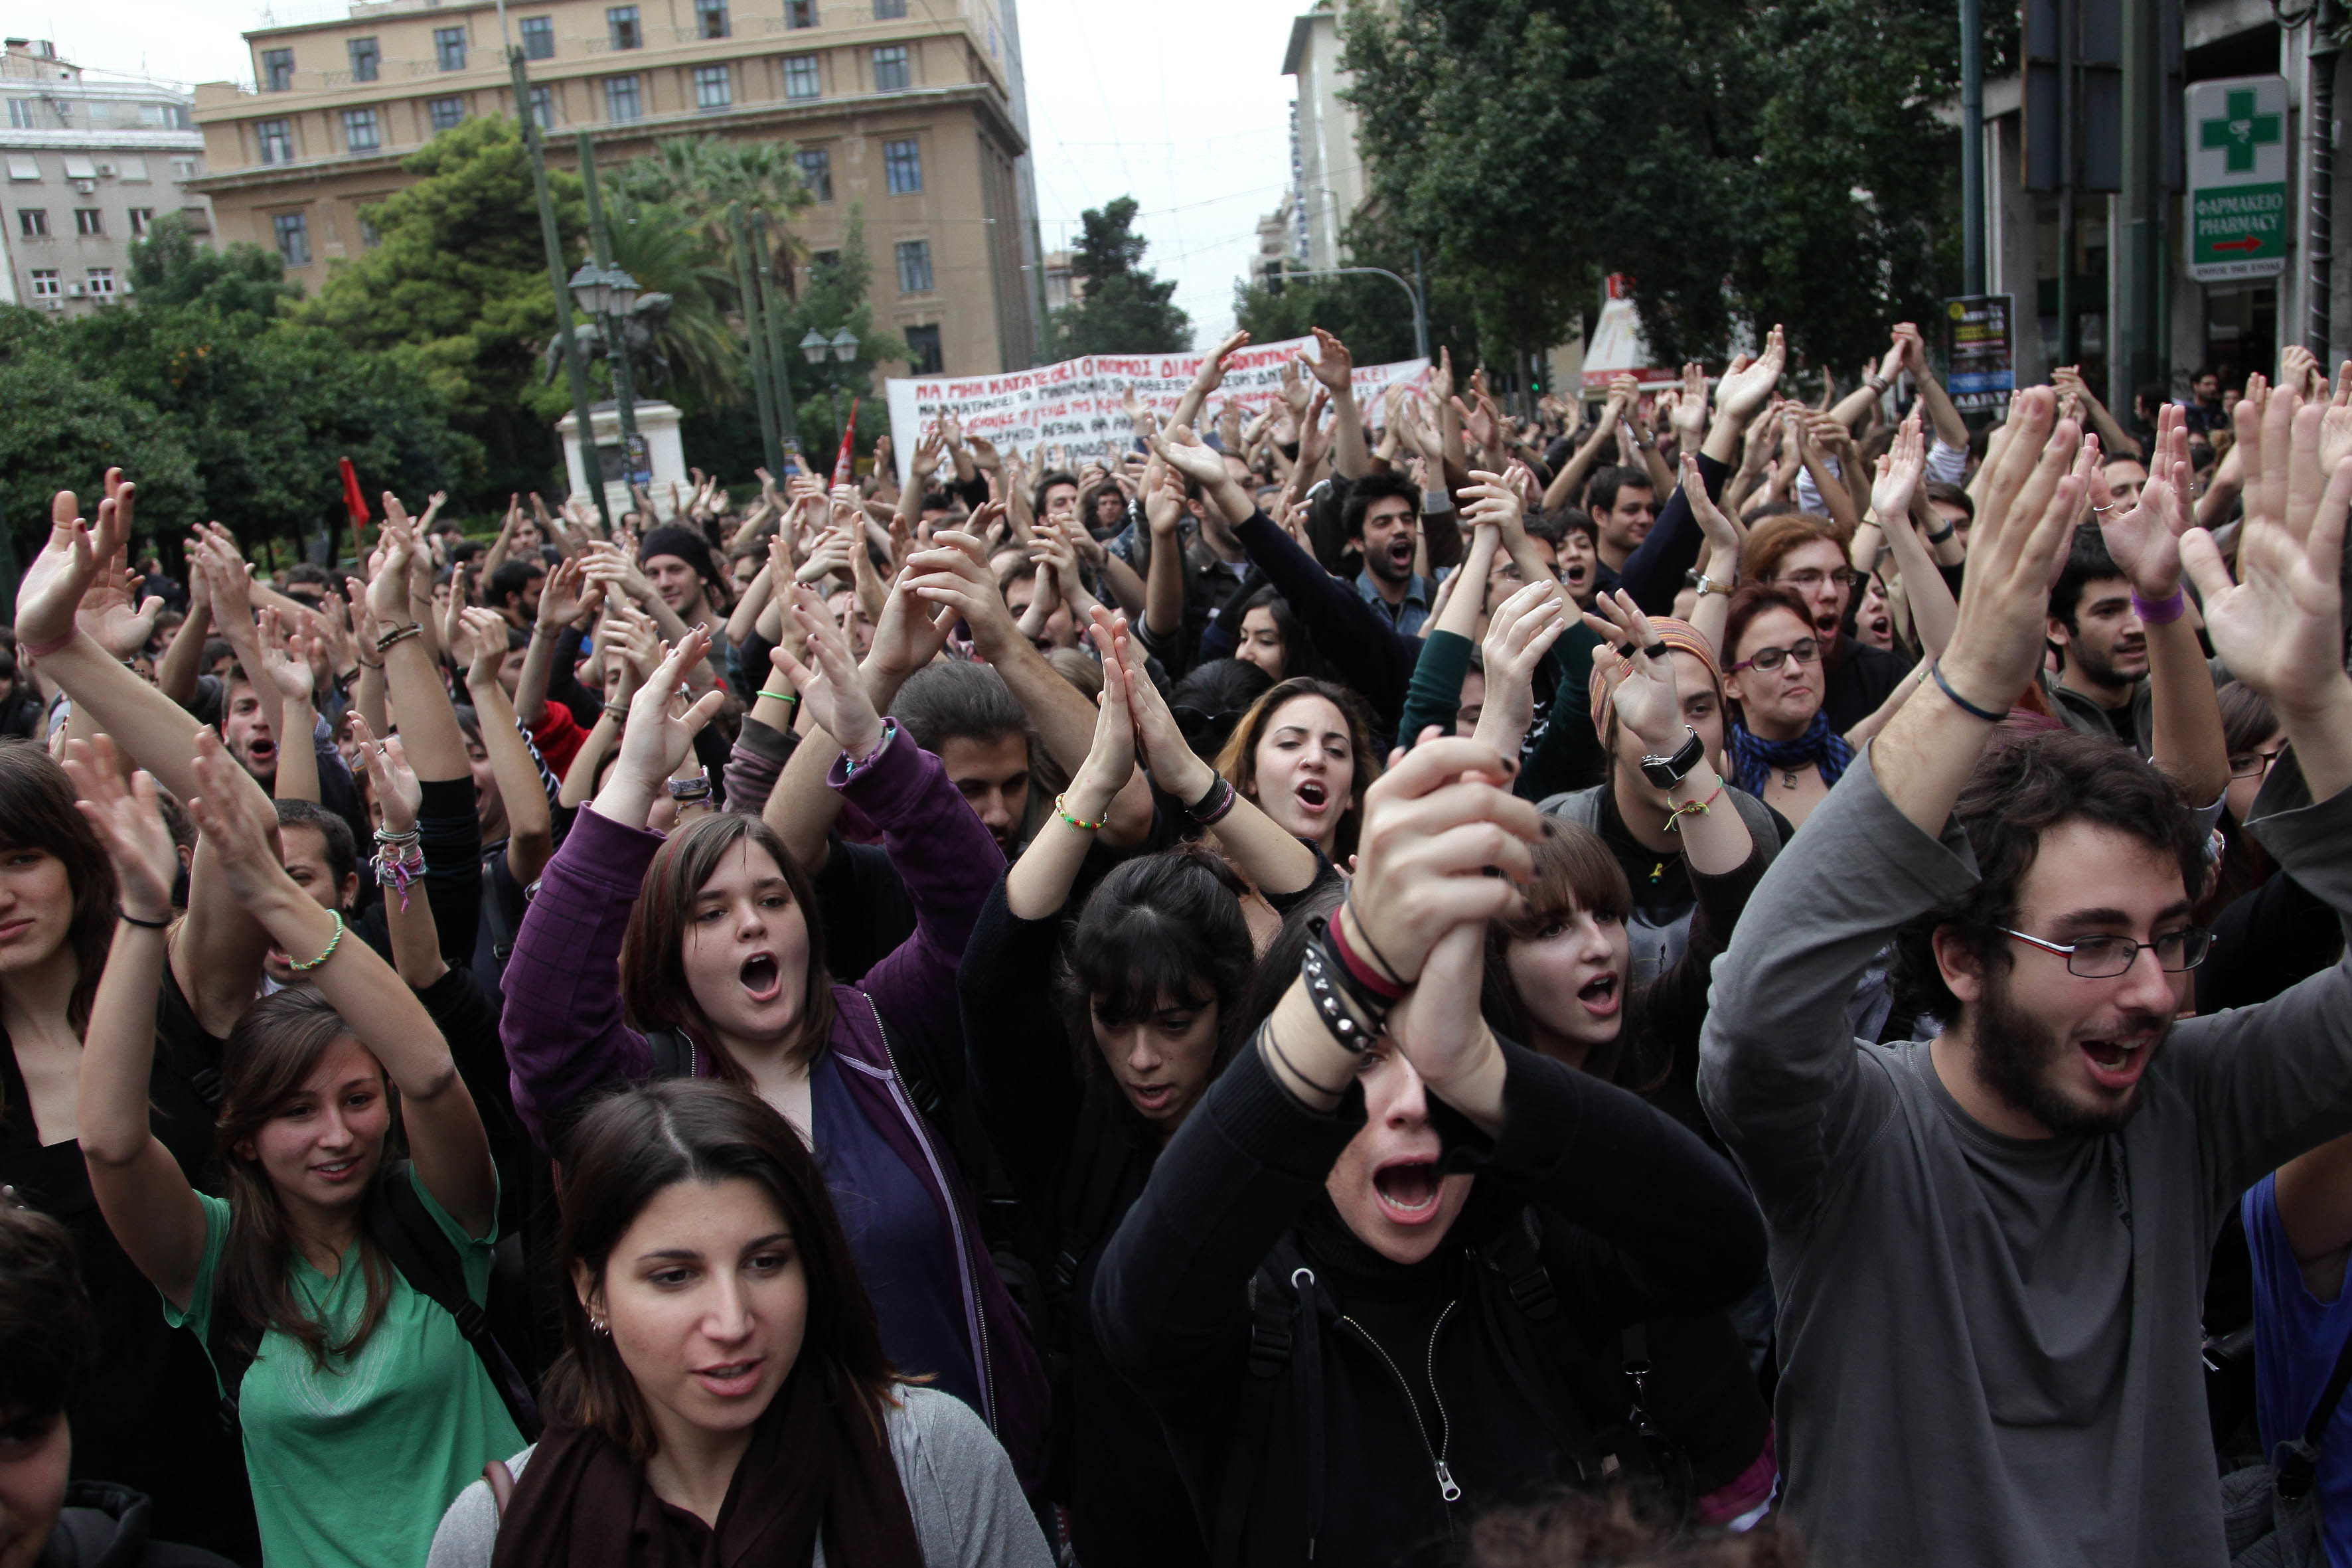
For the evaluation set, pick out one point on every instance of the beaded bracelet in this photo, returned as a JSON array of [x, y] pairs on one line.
[[399, 867], [333, 942], [1063, 811]]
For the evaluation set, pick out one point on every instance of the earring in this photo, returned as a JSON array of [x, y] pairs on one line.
[[599, 1326]]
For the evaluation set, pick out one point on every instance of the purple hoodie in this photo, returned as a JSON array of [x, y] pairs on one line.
[[566, 1037]]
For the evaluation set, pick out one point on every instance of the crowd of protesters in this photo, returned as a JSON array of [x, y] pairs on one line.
[[1735, 980]]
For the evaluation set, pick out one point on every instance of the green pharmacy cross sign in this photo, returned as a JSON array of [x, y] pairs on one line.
[[2237, 207], [2238, 129]]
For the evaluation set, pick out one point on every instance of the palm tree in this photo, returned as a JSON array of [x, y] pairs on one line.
[[662, 249], [702, 176]]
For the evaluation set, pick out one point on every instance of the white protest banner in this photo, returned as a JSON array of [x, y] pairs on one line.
[[1080, 403]]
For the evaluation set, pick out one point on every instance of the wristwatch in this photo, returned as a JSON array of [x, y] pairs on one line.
[[1667, 772], [1706, 585]]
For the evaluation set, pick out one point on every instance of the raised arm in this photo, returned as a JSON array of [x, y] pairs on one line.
[[1206, 380], [2144, 541], [1892, 493], [564, 598], [444, 1129], [531, 839], [1942, 413], [1520, 633], [1336, 370], [286, 664], [1715, 837], [1039, 883], [139, 1187]]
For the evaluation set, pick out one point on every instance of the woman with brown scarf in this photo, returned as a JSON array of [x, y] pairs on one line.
[[723, 1397]]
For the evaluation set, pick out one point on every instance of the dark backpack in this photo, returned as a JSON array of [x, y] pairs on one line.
[[398, 1222]]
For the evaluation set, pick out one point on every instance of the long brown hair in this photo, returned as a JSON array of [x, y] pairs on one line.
[[653, 954], [1575, 870], [628, 1148], [268, 1057], [1238, 761], [37, 812]]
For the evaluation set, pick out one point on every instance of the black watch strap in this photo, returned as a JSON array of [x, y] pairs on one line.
[[1667, 772]]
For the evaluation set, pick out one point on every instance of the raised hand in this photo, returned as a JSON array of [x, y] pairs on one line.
[[1689, 418], [130, 823], [52, 588], [1900, 469], [566, 595], [2037, 493], [238, 825], [656, 739], [2280, 628], [286, 658], [391, 779], [477, 637], [1645, 700], [2146, 540], [1110, 757], [2335, 424], [1745, 390], [1212, 374], [1433, 827], [829, 684], [1336, 367], [1520, 635]]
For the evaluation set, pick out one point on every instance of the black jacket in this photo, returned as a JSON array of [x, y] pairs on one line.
[[1399, 1386], [105, 1526]]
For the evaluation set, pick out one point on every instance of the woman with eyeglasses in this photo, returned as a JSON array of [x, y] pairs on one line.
[[1781, 747], [1807, 556]]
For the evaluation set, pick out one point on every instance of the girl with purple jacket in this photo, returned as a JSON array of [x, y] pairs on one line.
[[706, 938]]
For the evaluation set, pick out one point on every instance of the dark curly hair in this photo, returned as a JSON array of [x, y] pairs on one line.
[[2019, 792], [48, 1336]]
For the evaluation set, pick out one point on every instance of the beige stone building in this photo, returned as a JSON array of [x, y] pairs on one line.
[[911, 109]]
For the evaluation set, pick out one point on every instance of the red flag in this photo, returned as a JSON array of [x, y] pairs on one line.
[[844, 467], [353, 501]]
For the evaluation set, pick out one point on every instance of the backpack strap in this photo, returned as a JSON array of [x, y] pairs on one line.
[[229, 1365], [1275, 1329], [1619, 1428], [2297, 1458], [675, 1055], [399, 1223], [1088, 1197]]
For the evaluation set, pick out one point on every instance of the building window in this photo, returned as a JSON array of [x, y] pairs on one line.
[[450, 47], [277, 70], [370, 235], [277, 141], [714, 87], [821, 260], [620, 27], [141, 220], [89, 223], [293, 237], [914, 267], [101, 282], [45, 283], [23, 114], [183, 169], [710, 18], [888, 10], [622, 99], [365, 59], [446, 113], [543, 107], [800, 13], [801, 77], [134, 169], [890, 68], [816, 168], [361, 131], [33, 223], [902, 165], [923, 350], [24, 166], [539, 37]]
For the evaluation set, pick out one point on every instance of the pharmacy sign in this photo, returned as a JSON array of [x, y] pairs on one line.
[[2237, 178]]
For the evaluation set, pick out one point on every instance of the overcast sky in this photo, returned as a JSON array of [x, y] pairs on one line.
[[1192, 117]]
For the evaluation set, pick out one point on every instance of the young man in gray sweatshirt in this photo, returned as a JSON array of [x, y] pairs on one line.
[[1990, 1249]]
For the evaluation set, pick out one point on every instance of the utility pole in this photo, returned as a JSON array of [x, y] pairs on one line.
[[1972, 171], [616, 348], [576, 368], [2142, 254]]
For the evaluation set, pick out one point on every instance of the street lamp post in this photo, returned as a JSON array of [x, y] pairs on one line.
[[843, 346], [613, 291], [1420, 314]]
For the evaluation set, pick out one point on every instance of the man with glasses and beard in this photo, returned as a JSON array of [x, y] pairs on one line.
[[1990, 1246]]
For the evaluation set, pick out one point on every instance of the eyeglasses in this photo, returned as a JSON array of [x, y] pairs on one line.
[[2253, 764], [1803, 652], [2104, 957], [1807, 581]]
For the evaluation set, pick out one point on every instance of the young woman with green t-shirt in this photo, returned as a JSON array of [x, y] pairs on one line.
[[364, 1409]]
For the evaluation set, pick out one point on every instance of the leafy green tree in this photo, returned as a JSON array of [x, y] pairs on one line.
[[704, 178], [455, 293], [171, 268], [1742, 164], [1121, 307], [834, 297], [662, 249]]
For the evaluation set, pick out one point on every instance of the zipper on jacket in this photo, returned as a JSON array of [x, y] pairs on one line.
[[1447, 1487], [976, 1312]]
